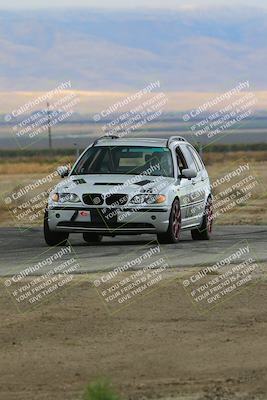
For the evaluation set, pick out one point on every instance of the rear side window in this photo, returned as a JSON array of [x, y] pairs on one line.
[[196, 157], [181, 162], [190, 159]]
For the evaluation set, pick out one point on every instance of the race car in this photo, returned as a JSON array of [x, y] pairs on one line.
[[132, 186]]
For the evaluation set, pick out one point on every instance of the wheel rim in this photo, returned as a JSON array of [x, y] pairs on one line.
[[176, 221], [209, 216]]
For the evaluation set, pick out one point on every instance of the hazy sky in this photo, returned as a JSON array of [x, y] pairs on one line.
[[127, 3]]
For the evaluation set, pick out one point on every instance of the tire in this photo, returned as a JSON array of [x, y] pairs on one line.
[[174, 229], [205, 230], [53, 238], [92, 237]]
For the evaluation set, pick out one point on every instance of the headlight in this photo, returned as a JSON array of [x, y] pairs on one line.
[[65, 198], [68, 198], [54, 197], [148, 199]]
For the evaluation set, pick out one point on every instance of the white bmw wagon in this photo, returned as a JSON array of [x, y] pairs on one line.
[[131, 186]]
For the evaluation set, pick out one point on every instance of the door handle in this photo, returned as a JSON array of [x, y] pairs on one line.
[[193, 182]]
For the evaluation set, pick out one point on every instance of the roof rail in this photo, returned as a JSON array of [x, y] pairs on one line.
[[105, 137], [175, 138]]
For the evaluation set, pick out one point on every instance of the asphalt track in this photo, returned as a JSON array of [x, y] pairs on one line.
[[19, 249]]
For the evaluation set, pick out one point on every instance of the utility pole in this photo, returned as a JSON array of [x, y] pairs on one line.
[[77, 150], [49, 126]]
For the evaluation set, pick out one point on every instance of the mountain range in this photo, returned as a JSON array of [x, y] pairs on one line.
[[209, 49]]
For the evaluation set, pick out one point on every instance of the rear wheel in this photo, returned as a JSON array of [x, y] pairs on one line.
[[92, 237], [174, 229], [205, 230], [53, 238]]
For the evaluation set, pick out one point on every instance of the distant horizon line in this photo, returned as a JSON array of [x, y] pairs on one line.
[[99, 100]]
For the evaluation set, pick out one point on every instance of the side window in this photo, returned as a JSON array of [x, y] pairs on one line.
[[181, 162], [190, 159], [197, 157]]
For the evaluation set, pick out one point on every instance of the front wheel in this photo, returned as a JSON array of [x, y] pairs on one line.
[[174, 229], [205, 230], [53, 238]]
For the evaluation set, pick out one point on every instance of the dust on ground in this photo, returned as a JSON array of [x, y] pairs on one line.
[[158, 347]]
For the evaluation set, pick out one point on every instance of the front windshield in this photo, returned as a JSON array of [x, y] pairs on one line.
[[126, 160]]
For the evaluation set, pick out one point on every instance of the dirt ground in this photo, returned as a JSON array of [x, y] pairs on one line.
[[157, 347]]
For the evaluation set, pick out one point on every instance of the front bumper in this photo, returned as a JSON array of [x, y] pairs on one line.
[[112, 221]]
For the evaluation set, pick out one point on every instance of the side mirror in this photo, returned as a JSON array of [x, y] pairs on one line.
[[188, 173], [63, 171]]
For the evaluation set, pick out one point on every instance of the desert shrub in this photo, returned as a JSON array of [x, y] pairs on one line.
[[100, 390]]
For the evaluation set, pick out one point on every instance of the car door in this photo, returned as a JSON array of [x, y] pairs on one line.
[[183, 188], [193, 202]]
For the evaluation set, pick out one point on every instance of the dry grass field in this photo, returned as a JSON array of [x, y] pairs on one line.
[[16, 173]]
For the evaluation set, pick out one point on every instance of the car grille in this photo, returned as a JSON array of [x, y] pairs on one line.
[[116, 199], [93, 199], [97, 199]]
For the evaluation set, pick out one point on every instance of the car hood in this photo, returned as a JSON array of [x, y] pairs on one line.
[[113, 183]]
